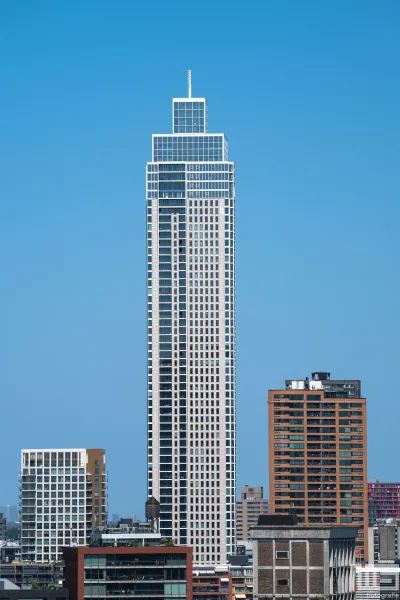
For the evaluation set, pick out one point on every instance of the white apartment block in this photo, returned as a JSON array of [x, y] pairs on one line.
[[63, 494], [191, 333]]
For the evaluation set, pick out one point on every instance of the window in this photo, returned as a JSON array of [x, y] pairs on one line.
[[282, 582], [282, 554]]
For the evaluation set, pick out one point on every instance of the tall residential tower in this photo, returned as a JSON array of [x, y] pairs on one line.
[[191, 333], [318, 453]]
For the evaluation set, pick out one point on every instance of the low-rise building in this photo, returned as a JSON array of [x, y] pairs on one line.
[[212, 583], [26, 575], [242, 576], [161, 572], [378, 582], [298, 561], [10, 591], [127, 533]]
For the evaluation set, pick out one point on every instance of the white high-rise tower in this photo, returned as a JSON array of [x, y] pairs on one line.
[[191, 333]]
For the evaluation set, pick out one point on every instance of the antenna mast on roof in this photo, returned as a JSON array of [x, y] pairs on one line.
[[189, 84]]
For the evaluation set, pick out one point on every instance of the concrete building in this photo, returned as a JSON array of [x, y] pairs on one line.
[[251, 505], [384, 541], [385, 499], [129, 572], [379, 582], [298, 561], [318, 453], [212, 583], [63, 495], [191, 333]]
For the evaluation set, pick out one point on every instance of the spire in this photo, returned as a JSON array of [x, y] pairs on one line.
[[189, 75]]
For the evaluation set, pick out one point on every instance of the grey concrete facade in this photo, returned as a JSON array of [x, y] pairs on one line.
[[298, 562], [383, 541]]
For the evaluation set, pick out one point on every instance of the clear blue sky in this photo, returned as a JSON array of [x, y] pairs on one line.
[[308, 95]]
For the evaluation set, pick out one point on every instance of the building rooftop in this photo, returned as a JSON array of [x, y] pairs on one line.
[[269, 526], [277, 520], [6, 584], [321, 380]]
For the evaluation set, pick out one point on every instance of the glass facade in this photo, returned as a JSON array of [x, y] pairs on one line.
[[191, 334], [189, 115], [194, 148], [130, 575]]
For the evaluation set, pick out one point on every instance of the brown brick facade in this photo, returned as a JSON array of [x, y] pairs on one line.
[[266, 554]]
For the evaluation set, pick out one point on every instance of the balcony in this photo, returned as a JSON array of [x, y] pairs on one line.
[[312, 471], [324, 430]]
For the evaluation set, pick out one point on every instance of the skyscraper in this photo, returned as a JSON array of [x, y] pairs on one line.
[[191, 333], [318, 453], [63, 494]]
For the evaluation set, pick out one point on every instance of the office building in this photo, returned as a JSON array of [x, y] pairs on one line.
[[63, 495], [212, 583], [129, 572], [384, 541], [318, 453], [379, 582], [384, 499], [251, 505], [191, 333], [300, 561]]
